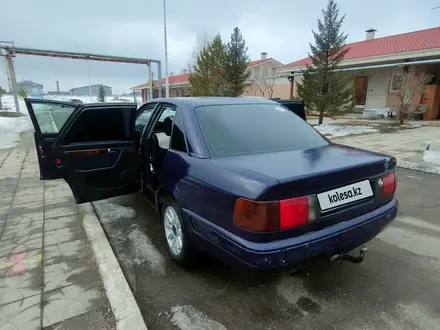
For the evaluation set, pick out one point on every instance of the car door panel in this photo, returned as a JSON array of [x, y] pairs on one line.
[[95, 173], [96, 169]]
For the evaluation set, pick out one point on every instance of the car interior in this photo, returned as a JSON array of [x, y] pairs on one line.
[[99, 126], [158, 146]]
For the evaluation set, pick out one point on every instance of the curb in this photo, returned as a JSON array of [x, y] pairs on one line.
[[119, 294], [418, 167]]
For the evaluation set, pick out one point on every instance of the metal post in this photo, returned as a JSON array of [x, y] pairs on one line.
[[159, 77], [167, 87], [150, 81], [7, 74], [10, 63], [292, 85], [88, 74]]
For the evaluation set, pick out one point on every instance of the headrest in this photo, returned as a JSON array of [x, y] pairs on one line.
[[168, 125]]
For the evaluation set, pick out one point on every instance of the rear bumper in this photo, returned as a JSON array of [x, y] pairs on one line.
[[339, 238]]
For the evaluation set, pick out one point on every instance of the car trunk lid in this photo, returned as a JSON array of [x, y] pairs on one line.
[[325, 172]]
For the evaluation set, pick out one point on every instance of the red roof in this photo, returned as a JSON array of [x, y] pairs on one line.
[[399, 43], [183, 78], [178, 79], [252, 63]]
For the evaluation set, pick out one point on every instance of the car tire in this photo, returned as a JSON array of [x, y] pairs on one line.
[[176, 235]]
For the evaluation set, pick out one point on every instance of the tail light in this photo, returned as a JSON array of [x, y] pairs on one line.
[[272, 216], [387, 185]]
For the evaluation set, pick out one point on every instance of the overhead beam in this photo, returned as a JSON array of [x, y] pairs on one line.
[[76, 55]]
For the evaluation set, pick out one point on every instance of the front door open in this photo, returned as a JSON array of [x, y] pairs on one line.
[[48, 117], [97, 152], [361, 89]]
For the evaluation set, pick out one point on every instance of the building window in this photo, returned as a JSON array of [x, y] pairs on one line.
[[396, 82]]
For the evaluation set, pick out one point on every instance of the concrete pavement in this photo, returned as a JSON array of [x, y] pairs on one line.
[[48, 275], [402, 144]]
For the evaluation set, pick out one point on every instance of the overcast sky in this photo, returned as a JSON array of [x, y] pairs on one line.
[[135, 28]]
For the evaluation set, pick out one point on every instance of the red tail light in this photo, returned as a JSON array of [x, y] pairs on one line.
[[274, 216], [257, 216], [294, 212], [388, 185]]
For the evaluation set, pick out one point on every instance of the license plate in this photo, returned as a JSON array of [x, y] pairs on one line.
[[345, 195]]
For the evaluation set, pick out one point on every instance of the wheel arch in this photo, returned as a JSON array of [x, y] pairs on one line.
[[164, 193]]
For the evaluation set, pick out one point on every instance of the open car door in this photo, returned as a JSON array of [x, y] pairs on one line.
[[48, 117], [96, 151]]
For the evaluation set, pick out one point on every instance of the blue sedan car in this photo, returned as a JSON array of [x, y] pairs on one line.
[[245, 180]]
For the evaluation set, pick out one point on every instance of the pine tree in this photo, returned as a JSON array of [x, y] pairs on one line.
[[209, 76], [22, 93], [323, 87], [236, 64], [101, 93]]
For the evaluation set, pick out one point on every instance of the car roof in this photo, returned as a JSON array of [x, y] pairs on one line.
[[213, 100]]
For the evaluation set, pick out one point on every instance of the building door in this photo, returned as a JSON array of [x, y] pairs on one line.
[[360, 94]]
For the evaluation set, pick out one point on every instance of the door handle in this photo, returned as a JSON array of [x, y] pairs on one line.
[[111, 151]]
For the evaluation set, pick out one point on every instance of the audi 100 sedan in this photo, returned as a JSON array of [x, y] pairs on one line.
[[245, 180]]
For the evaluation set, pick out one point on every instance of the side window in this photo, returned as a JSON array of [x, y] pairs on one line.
[[144, 117], [51, 117], [100, 125], [177, 135], [166, 111]]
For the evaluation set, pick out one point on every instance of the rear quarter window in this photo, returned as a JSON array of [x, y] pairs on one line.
[[241, 129]]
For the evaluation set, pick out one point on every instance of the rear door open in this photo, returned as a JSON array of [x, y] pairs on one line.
[[296, 106], [48, 117], [96, 151]]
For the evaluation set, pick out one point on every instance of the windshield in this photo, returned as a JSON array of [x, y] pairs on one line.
[[241, 129]]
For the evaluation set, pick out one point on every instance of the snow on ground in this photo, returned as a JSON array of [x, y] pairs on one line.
[[142, 249], [12, 127], [187, 317], [432, 156], [334, 130], [87, 99]]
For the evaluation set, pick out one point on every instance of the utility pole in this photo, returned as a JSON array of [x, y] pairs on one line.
[[167, 87], [10, 64], [88, 74], [150, 82]]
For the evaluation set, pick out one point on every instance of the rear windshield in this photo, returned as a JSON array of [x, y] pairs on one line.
[[241, 129]]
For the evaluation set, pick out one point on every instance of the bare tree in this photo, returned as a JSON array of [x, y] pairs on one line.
[[265, 85], [411, 85], [202, 41]]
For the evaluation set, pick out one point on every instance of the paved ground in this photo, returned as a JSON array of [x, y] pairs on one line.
[[397, 286], [48, 278], [401, 144]]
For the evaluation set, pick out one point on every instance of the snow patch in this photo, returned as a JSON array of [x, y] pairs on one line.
[[11, 128], [87, 99], [109, 211], [188, 318], [419, 315], [145, 251], [333, 130], [431, 156]]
